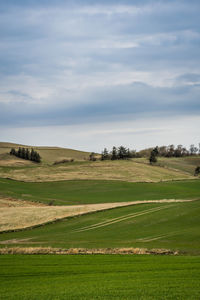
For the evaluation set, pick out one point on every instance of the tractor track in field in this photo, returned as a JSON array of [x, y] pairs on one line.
[[122, 218]]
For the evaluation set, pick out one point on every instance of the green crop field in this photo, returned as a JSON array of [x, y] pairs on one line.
[[102, 277], [172, 226], [93, 191]]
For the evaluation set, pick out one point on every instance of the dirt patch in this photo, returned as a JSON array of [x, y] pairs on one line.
[[78, 251]]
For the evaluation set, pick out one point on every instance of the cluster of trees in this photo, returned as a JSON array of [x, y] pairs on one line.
[[25, 153], [179, 151], [118, 153]]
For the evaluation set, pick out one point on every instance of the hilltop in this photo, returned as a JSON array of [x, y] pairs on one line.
[[49, 154]]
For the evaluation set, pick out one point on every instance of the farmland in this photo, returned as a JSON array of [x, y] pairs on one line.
[[172, 226], [84, 206]]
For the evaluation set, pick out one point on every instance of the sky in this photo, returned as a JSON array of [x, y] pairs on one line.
[[92, 74]]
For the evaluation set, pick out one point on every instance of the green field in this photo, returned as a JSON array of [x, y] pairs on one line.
[[99, 277], [169, 226], [93, 191]]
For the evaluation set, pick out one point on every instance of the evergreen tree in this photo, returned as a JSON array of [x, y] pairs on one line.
[[104, 154], [153, 156], [37, 157], [23, 153], [27, 155], [19, 152], [12, 151], [32, 155], [114, 155], [129, 153], [122, 152]]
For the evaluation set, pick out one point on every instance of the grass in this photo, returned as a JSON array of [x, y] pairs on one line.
[[170, 226], [129, 170], [88, 192], [102, 277]]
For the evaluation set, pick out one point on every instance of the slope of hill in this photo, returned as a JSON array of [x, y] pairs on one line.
[[99, 170], [49, 154], [185, 164]]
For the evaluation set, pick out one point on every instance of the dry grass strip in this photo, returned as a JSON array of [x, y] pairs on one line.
[[81, 251]]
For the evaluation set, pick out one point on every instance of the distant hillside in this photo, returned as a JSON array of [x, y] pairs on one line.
[[48, 154], [185, 164]]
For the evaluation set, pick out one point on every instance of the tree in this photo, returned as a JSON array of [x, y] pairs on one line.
[[114, 155], [193, 149], [12, 151], [197, 171], [170, 151], [32, 156], [27, 155], [92, 156], [105, 154], [23, 153], [153, 156], [37, 157], [122, 152], [19, 152]]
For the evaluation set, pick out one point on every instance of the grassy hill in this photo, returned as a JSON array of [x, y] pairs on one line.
[[49, 154]]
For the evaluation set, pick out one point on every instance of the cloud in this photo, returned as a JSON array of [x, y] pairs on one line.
[[76, 62]]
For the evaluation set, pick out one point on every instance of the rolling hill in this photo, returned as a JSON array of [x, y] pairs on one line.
[[49, 154]]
